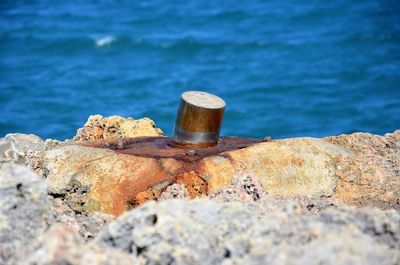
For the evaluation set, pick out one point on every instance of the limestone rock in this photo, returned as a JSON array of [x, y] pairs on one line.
[[171, 233], [243, 188], [111, 179], [16, 147], [296, 166], [175, 191], [115, 127], [88, 226], [371, 175], [248, 189], [94, 179], [51, 143], [204, 232], [61, 245], [26, 149], [359, 169], [24, 210]]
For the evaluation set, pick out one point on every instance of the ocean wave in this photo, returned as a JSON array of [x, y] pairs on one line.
[[104, 41]]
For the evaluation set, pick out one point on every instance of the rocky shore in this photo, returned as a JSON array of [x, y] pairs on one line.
[[119, 193]]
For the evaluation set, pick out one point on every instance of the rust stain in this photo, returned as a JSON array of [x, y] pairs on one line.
[[144, 196], [162, 147], [131, 188], [146, 180], [194, 184]]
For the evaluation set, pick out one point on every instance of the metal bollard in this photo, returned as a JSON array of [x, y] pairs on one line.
[[199, 120]]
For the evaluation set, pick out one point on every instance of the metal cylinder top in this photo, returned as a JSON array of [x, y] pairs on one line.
[[203, 100], [199, 119]]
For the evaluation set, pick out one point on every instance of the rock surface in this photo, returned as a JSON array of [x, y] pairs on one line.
[[92, 179], [175, 191], [18, 147], [296, 166], [371, 175], [25, 149], [359, 169], [205, 232], [24, 210], [348, 168], [269, 202], [88, 226], [61, 245], [115, 127]]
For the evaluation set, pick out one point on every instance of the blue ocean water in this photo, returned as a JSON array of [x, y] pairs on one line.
[[285, 68]]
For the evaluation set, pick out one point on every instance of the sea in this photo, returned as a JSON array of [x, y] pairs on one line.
[[284, 68]]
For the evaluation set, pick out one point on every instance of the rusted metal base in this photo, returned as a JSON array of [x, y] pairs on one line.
[[163, 147]]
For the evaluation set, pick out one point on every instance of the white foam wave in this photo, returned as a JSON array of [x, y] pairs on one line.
[[106, 40]]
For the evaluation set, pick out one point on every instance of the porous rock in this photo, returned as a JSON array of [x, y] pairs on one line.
[[24, 210], [98, 127], [204, 232], [371, 175], [22, 149], [359, 169], [94, 179], [17, 147], [248, 189], [294, 166], [243, 188], [101, 179], [26, 149], [175, 191], [87, 225], [61, 245]]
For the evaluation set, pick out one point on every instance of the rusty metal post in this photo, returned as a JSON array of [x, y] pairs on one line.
[[199, 120]]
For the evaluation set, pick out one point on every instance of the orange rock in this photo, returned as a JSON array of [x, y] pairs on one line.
[[116, 175], [112, 181], [144, 196], [93, 179], [195, 185]]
